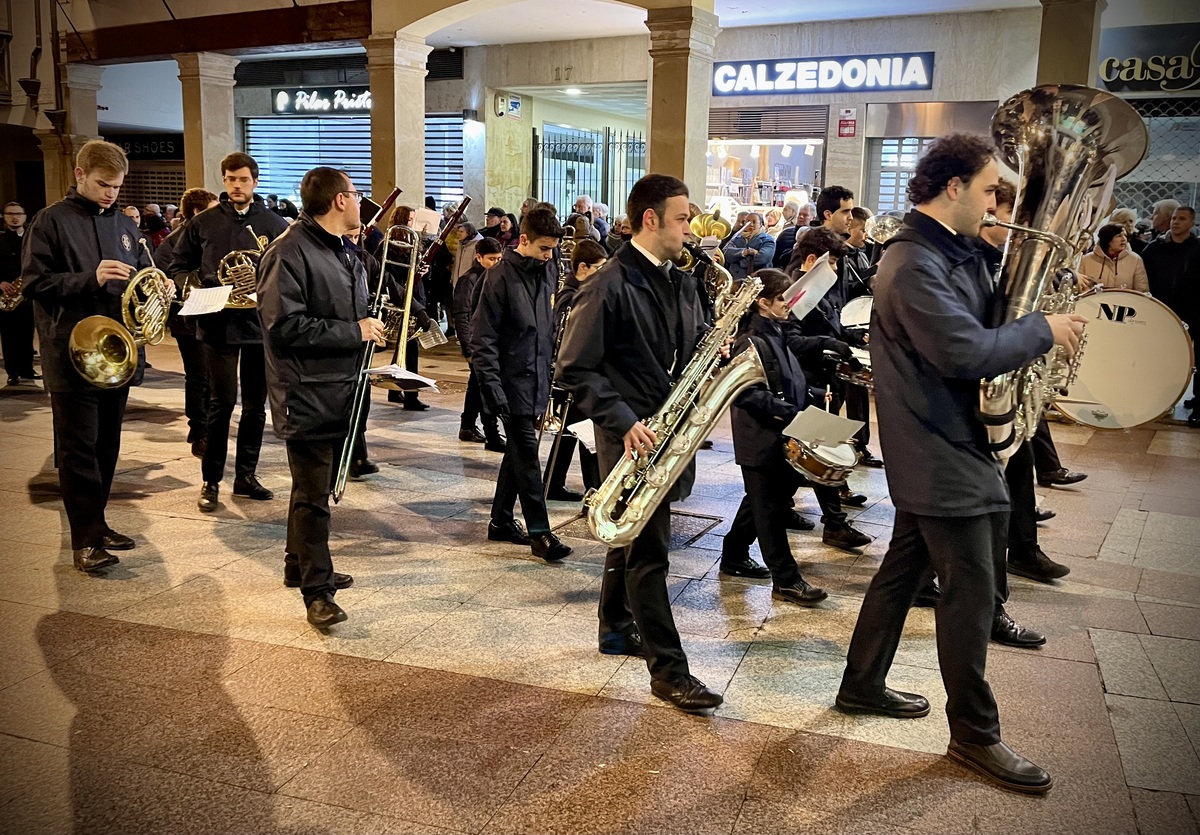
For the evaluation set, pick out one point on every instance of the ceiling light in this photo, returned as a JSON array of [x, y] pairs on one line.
[[573, 91], [754, 151], [787, 150], [808, 150]]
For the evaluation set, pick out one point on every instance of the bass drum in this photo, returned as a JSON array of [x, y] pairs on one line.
[[1136, 364]]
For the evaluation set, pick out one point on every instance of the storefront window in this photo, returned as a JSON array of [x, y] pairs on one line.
[[892, 162]]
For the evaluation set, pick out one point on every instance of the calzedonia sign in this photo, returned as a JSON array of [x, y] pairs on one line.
[[1151, 59], [320, 101], [845, 74]]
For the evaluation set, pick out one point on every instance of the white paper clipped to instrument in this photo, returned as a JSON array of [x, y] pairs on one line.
[[202, 300], [585, 431], [810, 288], [820, 428], [398, 373], [432, 337]]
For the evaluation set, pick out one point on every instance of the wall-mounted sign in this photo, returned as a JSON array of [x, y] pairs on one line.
[[1150, 59], [847, 122], [150, 145], [514, 107], [847, 74], [320, 101]]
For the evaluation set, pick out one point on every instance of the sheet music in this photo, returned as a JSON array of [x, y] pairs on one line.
[[432, 338], [411, 380], [819, 427], [585, 431], [426, 221], [810, 288], [202, 300]]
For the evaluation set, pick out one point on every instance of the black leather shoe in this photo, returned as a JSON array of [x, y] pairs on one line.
[[846, 537], [799, 522], [114, 541], [395, 397], [508, 532], [706, 444], [93, 559], [849, 497], [1194, 420], [323, 612], [362, 467], [1190, 403], [199, 448], [1007, 631], [340, 581], [33, 375], [251, 488], [687, 693], [1002, 765], [869, 460], [1038, 567], [497, 444], [1043, 515], [564, 495], [892, 703], [414, 405], [471, 436], [14, 381], [208, 496], [549, 547], [744, 567], [1060, 477], [802, 594], [628, 642]]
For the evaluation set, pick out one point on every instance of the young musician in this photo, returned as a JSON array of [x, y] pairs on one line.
[[512, 339], [634, 326], [16, 325], [312, 300], [79, 254], [231, 337], [486, 255]]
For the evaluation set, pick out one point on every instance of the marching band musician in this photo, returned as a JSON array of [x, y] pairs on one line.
[[512, 336], [398, 262], [485, 255], [931, 346], [79, 254], [315, 317], [634, 326], [16, 325], [231, 337]]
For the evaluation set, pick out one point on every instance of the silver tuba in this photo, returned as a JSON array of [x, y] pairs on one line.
[[619, 509], [1068, 144]]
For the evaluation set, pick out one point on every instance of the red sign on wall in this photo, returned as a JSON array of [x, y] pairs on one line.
[[847, 128]]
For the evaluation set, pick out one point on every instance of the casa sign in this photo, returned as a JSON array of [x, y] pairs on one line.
[[1150, 59], [318, 101], [845, 74]]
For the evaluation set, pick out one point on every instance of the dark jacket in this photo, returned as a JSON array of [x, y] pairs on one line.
[[512, 335], [207, 238], [784, 245], [619, 357], [64, 245], [737, 264], [929, 349], [10, 255], [1167, 263], [311, 294], [164, 254], [463, 305], [763, 411]]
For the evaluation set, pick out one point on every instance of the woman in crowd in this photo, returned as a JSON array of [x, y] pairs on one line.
[[1112, 264]]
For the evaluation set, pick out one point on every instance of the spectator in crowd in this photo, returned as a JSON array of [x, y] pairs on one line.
[[1168, 256], [618, 233], [509, 234], [795, 220], [1160, 217], [600, 219], [491, 222], [1112, 263], [1127, 220], [750, 249], [133, 214]]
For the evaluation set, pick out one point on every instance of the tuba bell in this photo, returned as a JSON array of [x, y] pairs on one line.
[[1068, 144], [239, 270]]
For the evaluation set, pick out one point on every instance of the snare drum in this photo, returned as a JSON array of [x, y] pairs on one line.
[[1136, 363], [828, 465], [857, 312], [863, 376]]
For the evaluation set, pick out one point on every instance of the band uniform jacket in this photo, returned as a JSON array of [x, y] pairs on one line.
[[463, 305], [312, 292], [64, 245], [207, 238], [512, 334], [930, 347], [619, 356], [164, 253], [761, 413]]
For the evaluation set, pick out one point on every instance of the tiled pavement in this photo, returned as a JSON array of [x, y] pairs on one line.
[[184, 692]]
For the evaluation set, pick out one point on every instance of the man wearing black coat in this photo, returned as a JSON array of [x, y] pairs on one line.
[[230, 337], [466, 293], [634, 326], [312, 302], [79, 254], [930, 345], [512, 336]]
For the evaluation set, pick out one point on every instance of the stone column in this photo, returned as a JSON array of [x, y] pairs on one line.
[[80, 83], [396, 65], [1070, 41], [208, 124], [681, 54]]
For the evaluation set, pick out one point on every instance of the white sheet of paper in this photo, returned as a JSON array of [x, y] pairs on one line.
[[585, 431], [432, 337], [817, 426], [426, 221], [810, 288], [203, 300], [398, 373]]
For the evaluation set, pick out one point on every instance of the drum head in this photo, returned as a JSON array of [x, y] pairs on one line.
[[862, 355], [1136, 364], [842, 455], [857, 312]]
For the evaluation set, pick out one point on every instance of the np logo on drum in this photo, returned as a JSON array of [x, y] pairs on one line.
[[1116, 313]]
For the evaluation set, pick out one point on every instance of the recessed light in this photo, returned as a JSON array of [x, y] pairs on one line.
[[573, 91]]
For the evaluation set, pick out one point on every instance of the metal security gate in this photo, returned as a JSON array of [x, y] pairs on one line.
[[602, 164], [1171, 168]]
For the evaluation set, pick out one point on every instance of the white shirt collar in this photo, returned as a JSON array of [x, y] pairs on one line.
[[653, 259]]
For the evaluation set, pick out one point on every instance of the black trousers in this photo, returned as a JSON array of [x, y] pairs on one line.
[[857, 401], [223, 376], [967, 553], [473, 408], [1045, 455], [87, 438], [314, 466], [556, 475], [16, 340], [1022, 525], [521, 475], [195, 385]]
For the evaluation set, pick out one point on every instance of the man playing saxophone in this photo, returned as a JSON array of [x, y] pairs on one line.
[[633, 328], [931, 343], [79, 255]]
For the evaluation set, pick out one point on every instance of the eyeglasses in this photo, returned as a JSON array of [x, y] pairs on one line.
[[14, 214], [357, 195]]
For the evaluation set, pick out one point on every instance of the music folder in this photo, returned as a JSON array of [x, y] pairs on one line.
[[818, 427], [405, 379], [202, 300]]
